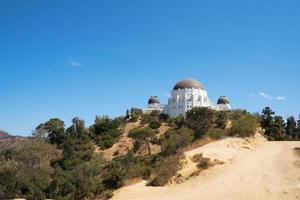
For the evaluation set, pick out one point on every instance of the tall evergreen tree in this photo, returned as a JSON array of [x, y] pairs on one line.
[[278, 129], [267, 122], [291, 127], [267, 118], [298, 129]]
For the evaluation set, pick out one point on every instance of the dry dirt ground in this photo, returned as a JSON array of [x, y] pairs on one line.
[[268, 170]]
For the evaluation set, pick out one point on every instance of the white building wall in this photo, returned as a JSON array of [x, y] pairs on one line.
[[183, 100]]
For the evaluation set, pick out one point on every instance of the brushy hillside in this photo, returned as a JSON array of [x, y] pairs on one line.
[[8, 141], [81, 162]]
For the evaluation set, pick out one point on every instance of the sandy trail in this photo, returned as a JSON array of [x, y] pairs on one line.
[[269, 171]]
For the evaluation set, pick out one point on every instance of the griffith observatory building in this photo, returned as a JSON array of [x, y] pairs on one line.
[[186, 94]]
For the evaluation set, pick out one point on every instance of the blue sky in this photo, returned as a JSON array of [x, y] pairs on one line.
[[63, 59]]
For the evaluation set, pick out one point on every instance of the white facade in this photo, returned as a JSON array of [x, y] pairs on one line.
[[182, 100], [186, 95]]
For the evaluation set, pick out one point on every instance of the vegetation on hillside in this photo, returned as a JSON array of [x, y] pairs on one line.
[[60, 163], [277, 129]]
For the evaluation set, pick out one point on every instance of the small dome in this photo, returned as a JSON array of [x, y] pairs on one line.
[[153, 100], [187, 84], [223, 100]]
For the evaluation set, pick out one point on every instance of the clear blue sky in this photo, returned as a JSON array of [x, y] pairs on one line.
[[63, 59]]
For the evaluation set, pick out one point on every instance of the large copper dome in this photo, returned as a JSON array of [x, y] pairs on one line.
[[187, 84]]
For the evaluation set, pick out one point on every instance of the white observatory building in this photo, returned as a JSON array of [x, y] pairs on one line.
[[186, 94]]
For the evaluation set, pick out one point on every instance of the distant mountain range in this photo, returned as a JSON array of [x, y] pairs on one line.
[[8, 141]]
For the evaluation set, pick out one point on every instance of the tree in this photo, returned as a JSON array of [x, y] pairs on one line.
[[245, 126], [267, 122], [201, 120], [298, 128], [179, 121], [291, 127], [144, 135], [278, 129], [221, 120], [26, 170], [267, 118], [135, 113], [172, 140], [53, 130], [154, 124], [77, 130]]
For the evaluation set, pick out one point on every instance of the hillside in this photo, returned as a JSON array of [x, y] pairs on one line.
[[252, 169], [125, 143], [8, 141], [210, 154]]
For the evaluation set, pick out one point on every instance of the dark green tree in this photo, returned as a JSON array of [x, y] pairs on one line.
[[201, 120], [77, 130], [291, 127], [53, 130], [221, 120], [298, 129], [278, 129], [267, 122], [143, 135], [267, 118]]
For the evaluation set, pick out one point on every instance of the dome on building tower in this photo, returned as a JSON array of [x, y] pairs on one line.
[[153, 100], [223, 100], [187, 84]]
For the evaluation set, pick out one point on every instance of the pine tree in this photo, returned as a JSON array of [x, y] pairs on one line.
[[298, 129], [267, 122], [278, 128], [291, 127]]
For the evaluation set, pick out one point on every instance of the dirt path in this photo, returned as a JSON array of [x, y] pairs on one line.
[[270, 171]]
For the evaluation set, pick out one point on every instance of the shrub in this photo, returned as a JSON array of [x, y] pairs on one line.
[[135, 113], [114, 177], [202, 163], [108, 138], [216, 133], [147, 118], [173, 140], [201, 120], [244, 127], [221, 120], [154, 124], [165, 170], [141, 133], [136, 146], [163, 117]]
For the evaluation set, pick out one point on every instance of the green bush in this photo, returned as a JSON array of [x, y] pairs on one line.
[[221, 119], [108, 138], [216, 133], [165, 170], [173, 140], [244, 127], [146, 119], [141, 133], [201, 120], [154, 124]]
